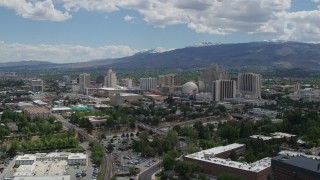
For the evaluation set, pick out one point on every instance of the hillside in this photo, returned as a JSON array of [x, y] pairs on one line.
[[254, 54]]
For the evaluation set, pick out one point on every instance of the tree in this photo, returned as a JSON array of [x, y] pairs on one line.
[[234, 155], [110, 148], [132, 170]]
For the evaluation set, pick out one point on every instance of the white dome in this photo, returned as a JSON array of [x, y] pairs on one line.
[[189, 88]]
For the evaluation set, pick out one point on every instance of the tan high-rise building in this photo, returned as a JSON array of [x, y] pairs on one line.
[[111, 79], [169, 80], [210, 74], [249, 85], [84, 82], [223, 89]]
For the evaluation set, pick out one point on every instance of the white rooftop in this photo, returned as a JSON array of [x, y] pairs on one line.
[[65, 177], [265, 138], [253, 167], [220, 149], [294, 153], [282, 135]]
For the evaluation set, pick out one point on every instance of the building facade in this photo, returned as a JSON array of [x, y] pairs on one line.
[[295, 167], [111, 79], [210, 74], [37, 85], [148, 83], [249, 85], [223, 89], [84, 82]]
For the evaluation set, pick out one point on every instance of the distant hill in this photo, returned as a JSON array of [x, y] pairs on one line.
[[254, 54]]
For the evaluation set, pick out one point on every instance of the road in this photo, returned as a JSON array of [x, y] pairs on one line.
[[108, 158], [146, 175]]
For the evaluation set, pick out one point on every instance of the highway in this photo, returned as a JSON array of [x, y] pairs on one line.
[[108, 158]]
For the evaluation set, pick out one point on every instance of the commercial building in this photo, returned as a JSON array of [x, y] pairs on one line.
[[107, 92], [251, 102], [295, 166], [148, 83], [37, 85], [249, 85], [84, 82], [223, 89], [210, 74], [33, 112], [71, 158], [111, 79], [169, 80], [258, 112], [213, 161], [66, 79], [125, 98]]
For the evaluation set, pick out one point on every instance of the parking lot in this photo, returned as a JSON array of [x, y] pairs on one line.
[[124, 157]]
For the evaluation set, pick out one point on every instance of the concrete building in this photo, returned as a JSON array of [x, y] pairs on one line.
[[127, 82], [25, 160], [210, 74], [107, 92], [223, 89], [213, 161], [148, 83], [249, 85], [258, 112], [111, 79], [33, 112], [71, 158], [84, 82], [295, 166], [169, 80], [37, 85], [125, 98]]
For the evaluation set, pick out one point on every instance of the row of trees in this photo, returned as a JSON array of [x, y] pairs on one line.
[[26, 126], [97, 152], [49, 142]]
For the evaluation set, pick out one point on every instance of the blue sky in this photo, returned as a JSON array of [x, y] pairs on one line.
[[71, 31]]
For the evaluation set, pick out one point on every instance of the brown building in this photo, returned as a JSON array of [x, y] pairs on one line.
[[33, 112], [213, 161], [300, 167]]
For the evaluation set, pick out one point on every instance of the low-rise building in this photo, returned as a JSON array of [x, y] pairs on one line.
[[33, 112], [214, 163], [291, 165]]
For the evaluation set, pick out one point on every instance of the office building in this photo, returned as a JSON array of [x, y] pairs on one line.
[[169, 80], [249, 85], [295, 166], [40, 112], [210, 74], [213, 161], [148, 83], [223, 89], [37, 85], [84, 82], [111, 79]]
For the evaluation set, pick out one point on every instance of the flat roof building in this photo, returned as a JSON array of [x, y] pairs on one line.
[[33, 112], [214, 163], [295, 166]]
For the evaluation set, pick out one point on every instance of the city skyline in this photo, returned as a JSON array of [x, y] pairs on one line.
[[75, 31]]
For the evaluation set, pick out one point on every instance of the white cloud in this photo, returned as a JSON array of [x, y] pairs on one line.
[[316, 1], [218, 17], [60, 53], [37, 10], [128, 18]]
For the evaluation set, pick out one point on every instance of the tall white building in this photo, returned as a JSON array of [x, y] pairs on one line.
[[249, 85], [223, 89], [111, 79], [84, 82], [37, 85], [129, 83], [148, 83]]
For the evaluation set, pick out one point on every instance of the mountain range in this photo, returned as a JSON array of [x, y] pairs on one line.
[[252, 54]]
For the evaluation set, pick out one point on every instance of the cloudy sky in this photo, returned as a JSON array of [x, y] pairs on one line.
[[81, 30]]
